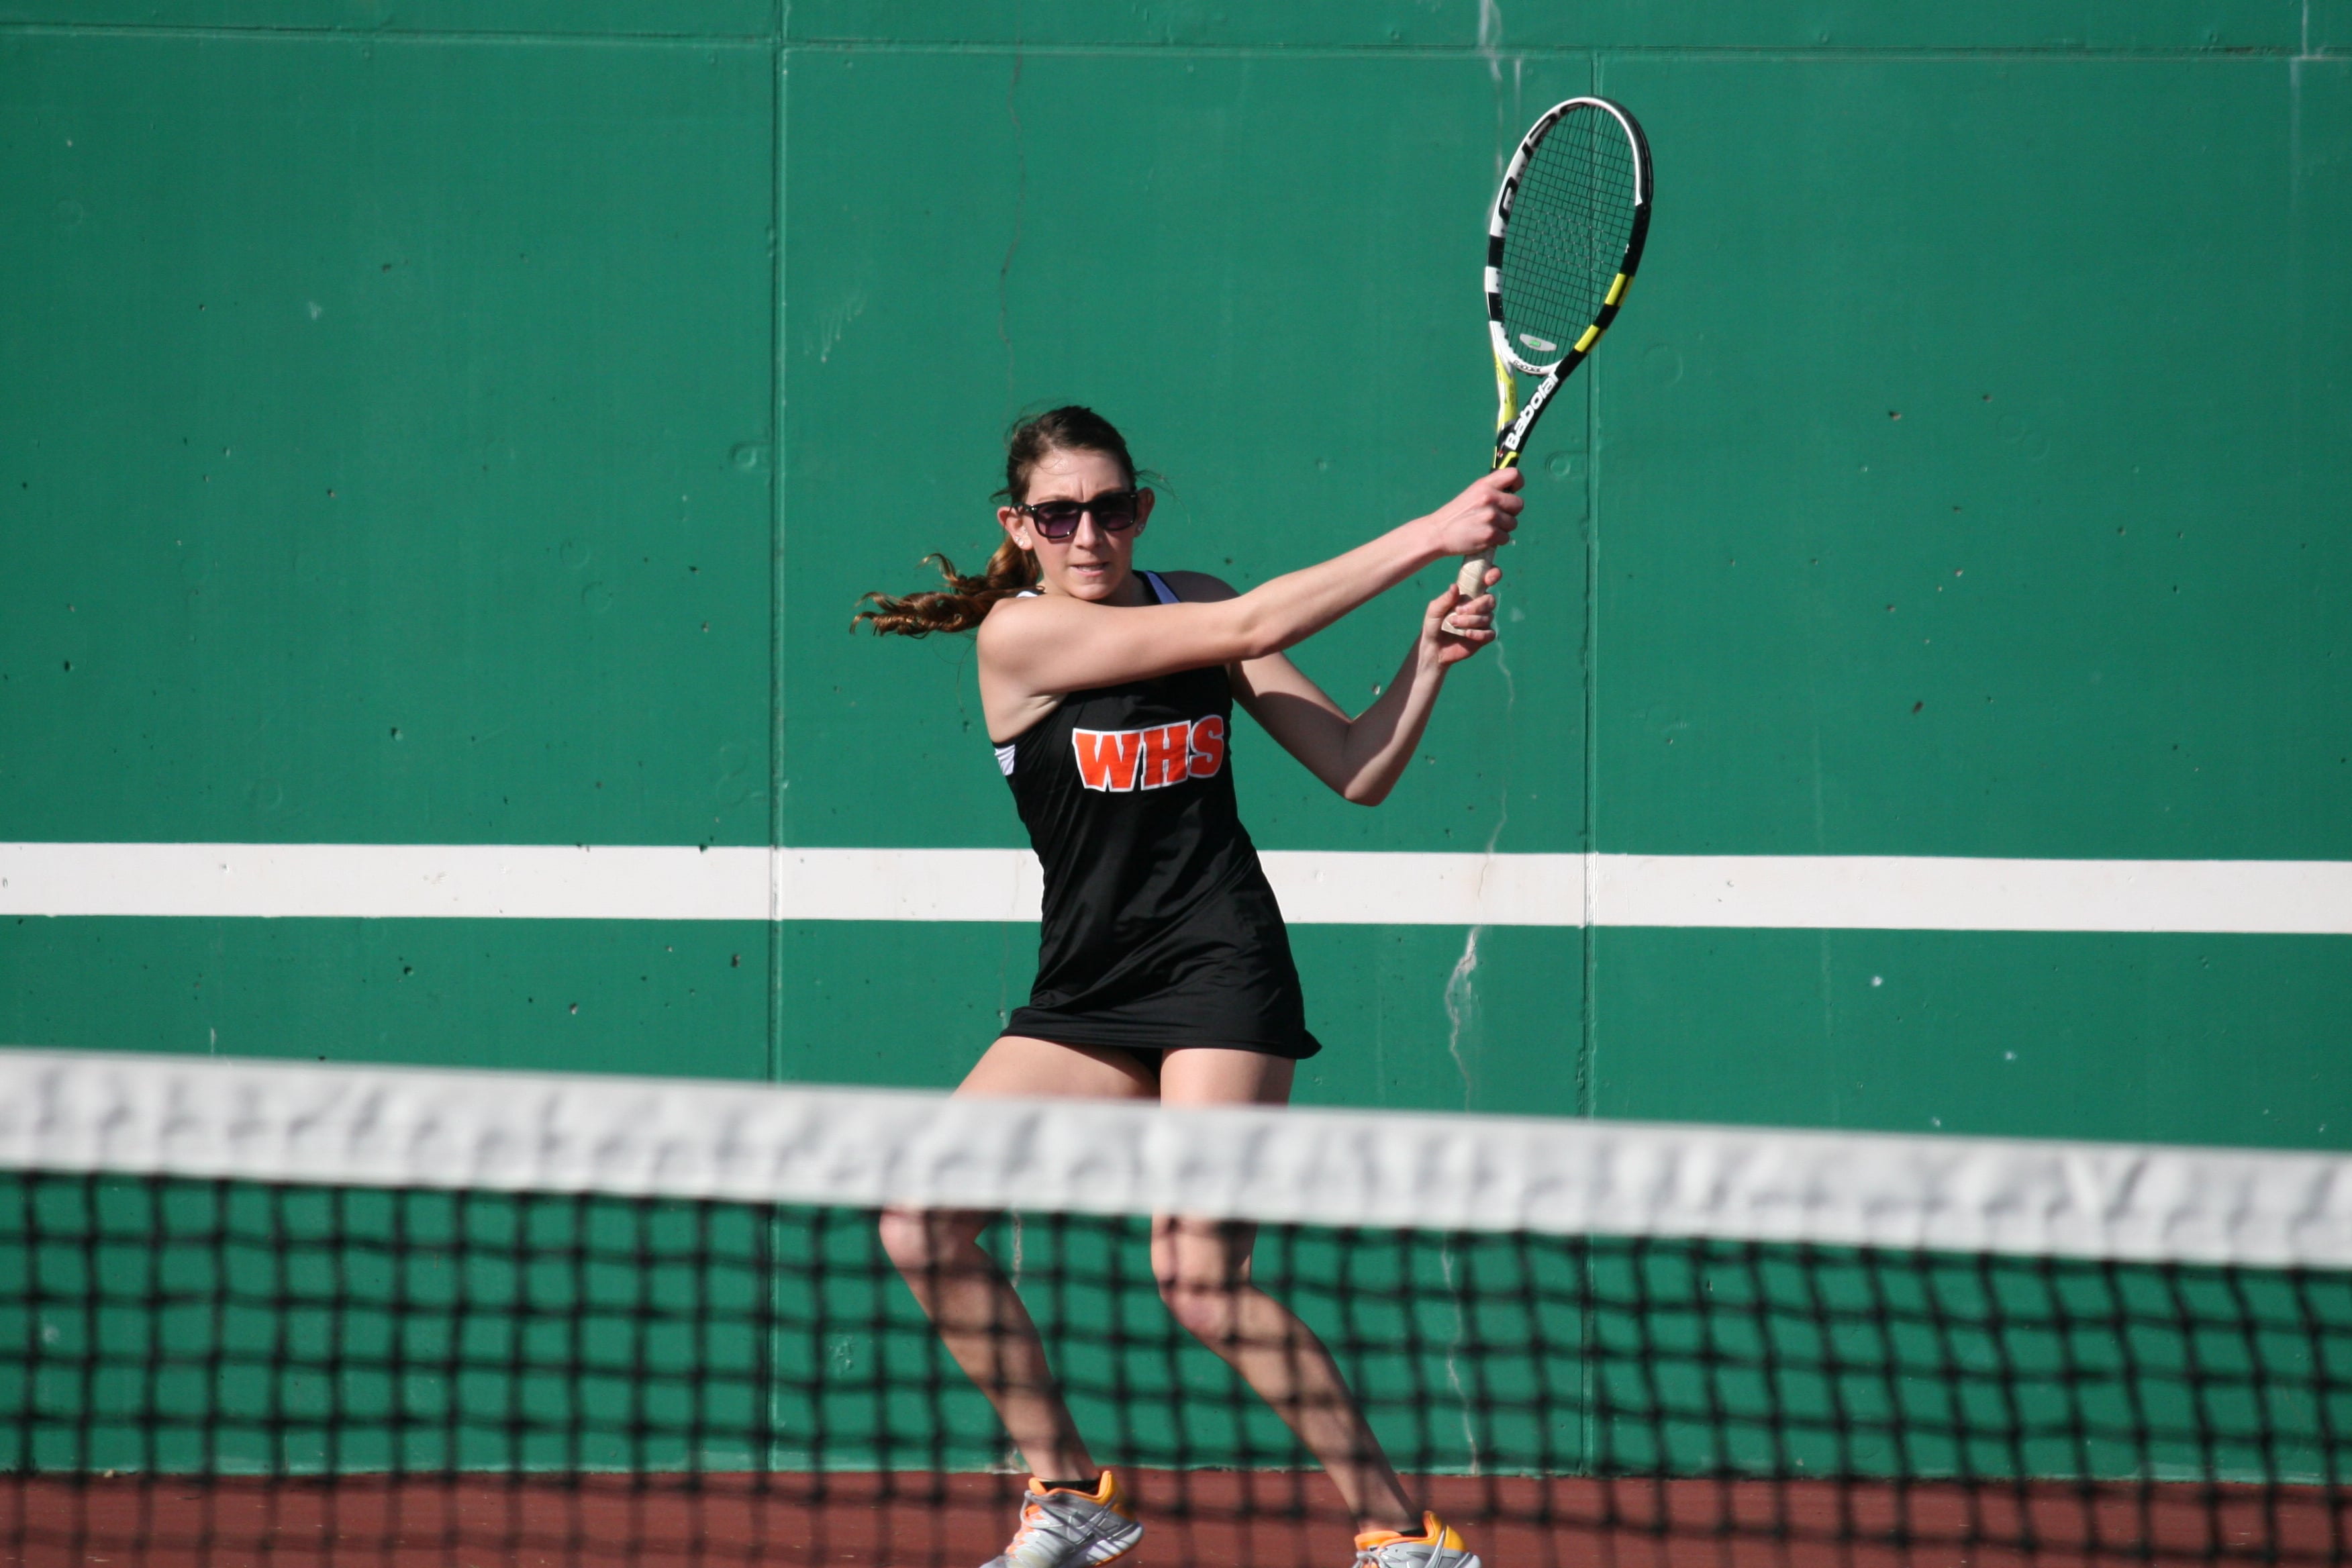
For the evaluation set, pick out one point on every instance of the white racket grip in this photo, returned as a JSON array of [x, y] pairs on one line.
[[1471, 580]]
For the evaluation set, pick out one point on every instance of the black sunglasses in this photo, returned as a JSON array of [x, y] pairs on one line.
[[1115, 512]]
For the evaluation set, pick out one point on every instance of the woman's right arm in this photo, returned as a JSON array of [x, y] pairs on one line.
[[1049, 645]]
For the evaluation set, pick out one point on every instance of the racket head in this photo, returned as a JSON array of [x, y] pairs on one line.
[[1565, 234]]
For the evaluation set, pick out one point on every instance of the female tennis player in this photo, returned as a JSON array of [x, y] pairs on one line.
[[1164, 968]]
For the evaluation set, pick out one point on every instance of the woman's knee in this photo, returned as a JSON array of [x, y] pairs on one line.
[[1204, 1306], [922, 1240], [1202, 1271]]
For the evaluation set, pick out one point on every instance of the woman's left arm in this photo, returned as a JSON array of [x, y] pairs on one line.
[[1363, 757]]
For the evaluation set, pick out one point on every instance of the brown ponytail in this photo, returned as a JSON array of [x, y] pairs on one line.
[[961, 606], [966, 601]]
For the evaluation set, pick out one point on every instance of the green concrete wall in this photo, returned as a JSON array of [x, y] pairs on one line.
[[471, 424]]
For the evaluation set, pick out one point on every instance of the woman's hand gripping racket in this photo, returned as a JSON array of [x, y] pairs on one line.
[[1562, 242]]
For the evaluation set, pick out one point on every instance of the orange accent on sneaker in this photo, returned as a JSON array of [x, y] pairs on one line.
[[1432, 1530], [1107, 1492]]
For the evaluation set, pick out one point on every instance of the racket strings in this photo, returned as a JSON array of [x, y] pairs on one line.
[[1570, 225]]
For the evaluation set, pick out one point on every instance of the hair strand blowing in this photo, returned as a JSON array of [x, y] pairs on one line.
[[962, 604]]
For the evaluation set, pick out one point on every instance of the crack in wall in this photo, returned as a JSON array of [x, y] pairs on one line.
[[1490, 41], [1453, 1353], [1461, 1008], [1462, 983], [1020, 209]]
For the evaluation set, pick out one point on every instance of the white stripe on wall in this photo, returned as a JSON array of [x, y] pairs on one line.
[[508, 881], [1893, 892], [385, 881]]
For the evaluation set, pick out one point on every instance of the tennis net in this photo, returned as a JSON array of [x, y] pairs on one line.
[[307, 1315]]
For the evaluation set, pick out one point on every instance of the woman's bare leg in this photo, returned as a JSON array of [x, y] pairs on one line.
[[978, 1314], [1203, 1270], [986, 1328]]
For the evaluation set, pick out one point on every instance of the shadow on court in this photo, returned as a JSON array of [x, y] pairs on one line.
[[1261, 1519]]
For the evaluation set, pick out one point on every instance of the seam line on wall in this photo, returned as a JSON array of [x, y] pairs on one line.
[[763, 41], [1588, 1015], [2173, 53], [780, 79], [1570, 53]]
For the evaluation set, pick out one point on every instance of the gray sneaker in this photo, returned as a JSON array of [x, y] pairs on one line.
[[1063, 1528], [1438, 1546]]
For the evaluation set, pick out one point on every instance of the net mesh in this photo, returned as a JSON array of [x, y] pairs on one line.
[[1570, 225], [234, 1368]]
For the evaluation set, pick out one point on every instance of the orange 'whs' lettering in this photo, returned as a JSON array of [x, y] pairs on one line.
[[1107, 758], [1164, 759], [1149, 758], [1208, 746]]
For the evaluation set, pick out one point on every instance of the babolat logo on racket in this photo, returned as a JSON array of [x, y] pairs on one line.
[[1153, 758]]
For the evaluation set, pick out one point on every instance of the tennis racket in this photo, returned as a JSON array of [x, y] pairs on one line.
[[1562, 242]]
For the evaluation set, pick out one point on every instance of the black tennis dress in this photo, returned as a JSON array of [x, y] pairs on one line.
[[1159, 929]]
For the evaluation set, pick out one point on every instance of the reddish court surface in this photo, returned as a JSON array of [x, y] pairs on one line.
[[1211, 1519]]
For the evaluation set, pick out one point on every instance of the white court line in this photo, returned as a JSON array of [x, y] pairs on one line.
[[489, 881]]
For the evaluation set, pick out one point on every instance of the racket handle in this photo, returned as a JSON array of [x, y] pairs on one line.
[[1471, 580]]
